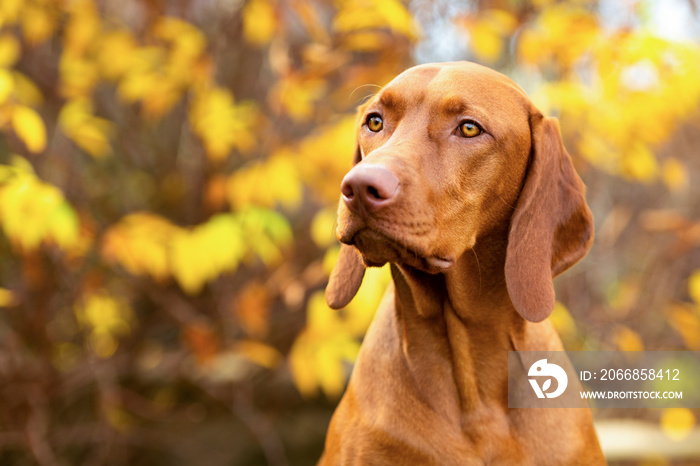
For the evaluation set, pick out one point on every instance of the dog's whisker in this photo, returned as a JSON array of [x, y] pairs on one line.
[[364, 99], [478, 268]]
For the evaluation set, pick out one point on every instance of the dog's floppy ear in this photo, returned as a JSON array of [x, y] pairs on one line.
[[346, 278], [552, 226], [348, 272]]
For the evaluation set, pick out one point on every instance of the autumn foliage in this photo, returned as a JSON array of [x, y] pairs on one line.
[[169, 173]]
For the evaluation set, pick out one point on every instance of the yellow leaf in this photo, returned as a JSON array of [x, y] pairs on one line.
[[116, 53], [694, 286], [677, 423], [266, 232], [259, 21], [258, 352], [38, 24], [323, 227], [220, 123], [79, 75], [486, 43], [303, 372], [30, 128], [186, 45], [330, 258], [141, 243], [684, 320], [639, 163], [31, 211], [297, 97], [222, 243], [319, 354], [83, 26], [570, 32], [7, 85], [321, 318], [9, 50], [627, 339], [629, 103], [10, 9], [187, 41], [375, 14], [137, 84], [266, 184], [90, 133], [7, 298], [675, 174], [102, 313], [146, 244], [19, 167], [171, 28], [331, 376], [530, 45], [208, 250], [160, 100], [105, 318], [19, 219], [63, 226], [397, 17], [26, 91], [364, 41], [562, 321], [44, 199], [362, 308], [489, 32], [92, 136]]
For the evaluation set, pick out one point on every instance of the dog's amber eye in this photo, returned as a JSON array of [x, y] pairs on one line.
[[469, 129], [375, 123]]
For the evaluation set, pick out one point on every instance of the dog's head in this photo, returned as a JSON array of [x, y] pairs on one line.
[[448, 153]]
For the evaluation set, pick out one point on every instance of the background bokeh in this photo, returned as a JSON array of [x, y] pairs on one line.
[[169, 172]]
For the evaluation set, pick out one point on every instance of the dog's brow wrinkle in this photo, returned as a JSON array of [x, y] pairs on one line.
[[392, 101], [453, 105]]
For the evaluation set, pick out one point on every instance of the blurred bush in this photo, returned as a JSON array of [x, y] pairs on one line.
[[168, 178]]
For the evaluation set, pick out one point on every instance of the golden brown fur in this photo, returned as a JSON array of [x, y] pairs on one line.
[[475, 230]]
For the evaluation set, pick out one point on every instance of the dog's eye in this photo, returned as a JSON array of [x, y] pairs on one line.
[[375, 123], [469, 129]]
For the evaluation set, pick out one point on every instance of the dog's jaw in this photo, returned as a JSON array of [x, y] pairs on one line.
[[378, 248]]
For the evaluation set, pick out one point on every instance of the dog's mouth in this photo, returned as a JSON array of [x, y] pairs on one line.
[[378, 248]]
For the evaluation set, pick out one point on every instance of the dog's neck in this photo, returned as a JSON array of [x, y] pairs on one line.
[[446, 320]]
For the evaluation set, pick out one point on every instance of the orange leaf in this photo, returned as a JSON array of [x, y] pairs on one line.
[[202, 341]]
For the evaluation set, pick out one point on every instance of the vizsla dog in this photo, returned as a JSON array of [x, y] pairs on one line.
[[466, 189]]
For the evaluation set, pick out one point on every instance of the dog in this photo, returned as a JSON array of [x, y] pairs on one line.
[[466, 189]]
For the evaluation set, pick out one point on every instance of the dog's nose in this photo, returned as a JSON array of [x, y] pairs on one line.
[[373, 186]]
